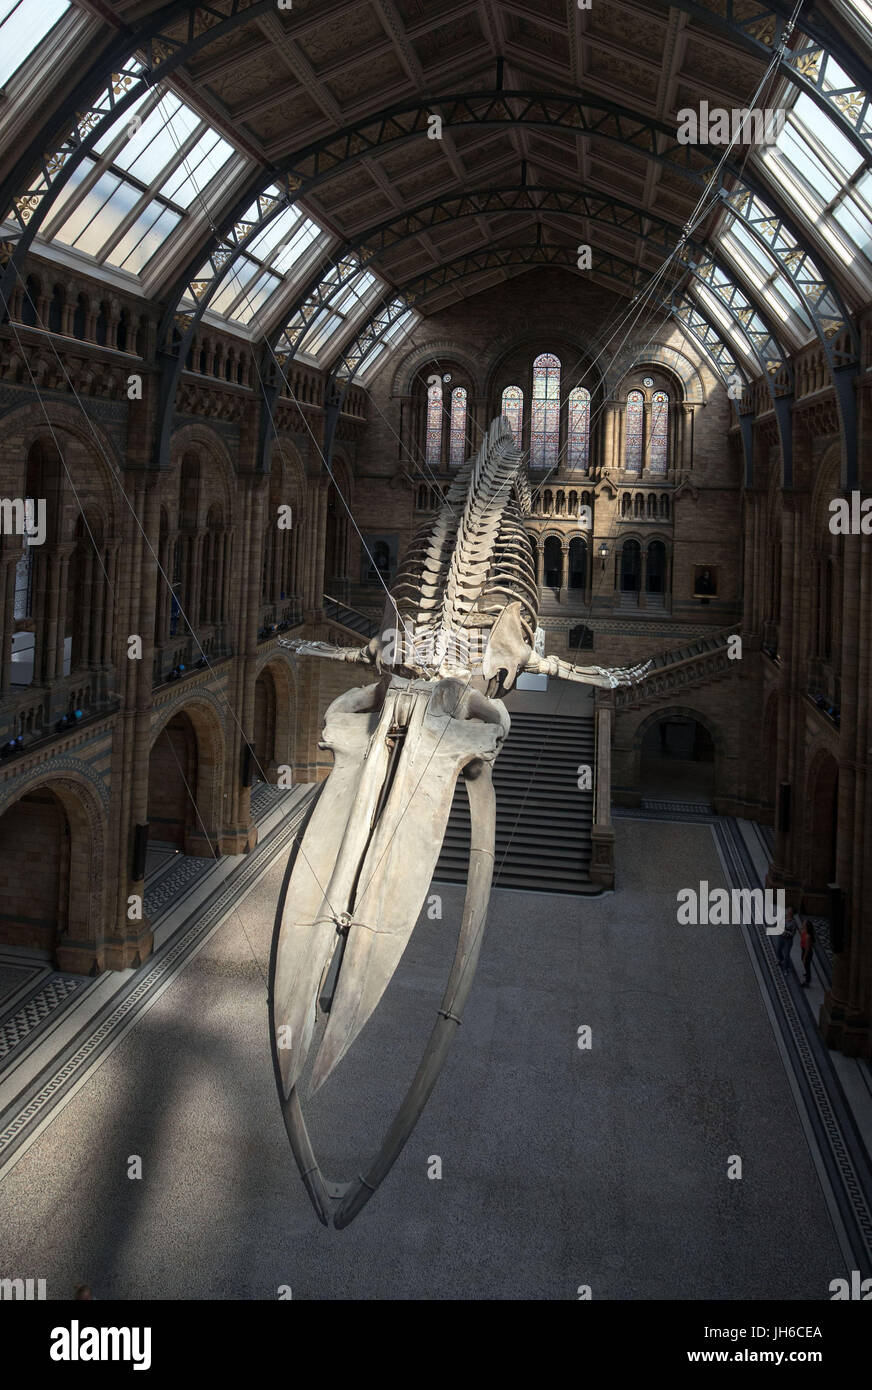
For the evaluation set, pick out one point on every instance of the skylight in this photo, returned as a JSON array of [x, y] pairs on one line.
[[346, 305], [822, 173], [120, 206], [261, 271], [23, 25]]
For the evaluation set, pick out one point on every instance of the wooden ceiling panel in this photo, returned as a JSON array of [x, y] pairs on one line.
[[298, 74]]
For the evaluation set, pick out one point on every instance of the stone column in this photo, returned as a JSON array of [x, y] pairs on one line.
[[107, 641], [52, 602], [7, 579], [835, 1010], [61, 637]]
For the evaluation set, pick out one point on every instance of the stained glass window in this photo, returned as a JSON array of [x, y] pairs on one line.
[[635, 422], [434, 425], [578, 442], [457, 437], [545, 419], [659, 431], [513, 409]]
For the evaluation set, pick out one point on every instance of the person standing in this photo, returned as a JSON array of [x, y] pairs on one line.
[[785, 941], [806, 946]]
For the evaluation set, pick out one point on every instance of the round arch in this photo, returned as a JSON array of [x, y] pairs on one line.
[[82, 863], [202, 825], [678, 713], [409, 367], [27, 425], [275, 707]]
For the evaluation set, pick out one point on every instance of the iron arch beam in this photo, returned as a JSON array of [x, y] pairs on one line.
[[761, 29], [696, 326], [475, 263], [304, 171], [618, 268], [706, 265], [107, 90], [341, 376]]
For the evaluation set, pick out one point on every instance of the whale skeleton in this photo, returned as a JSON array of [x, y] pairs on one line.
[[458, 628]]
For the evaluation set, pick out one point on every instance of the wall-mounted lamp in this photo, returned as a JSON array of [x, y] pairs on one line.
[[604, 553]]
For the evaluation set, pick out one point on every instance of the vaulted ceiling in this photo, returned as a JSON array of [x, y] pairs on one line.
[[293, 77]]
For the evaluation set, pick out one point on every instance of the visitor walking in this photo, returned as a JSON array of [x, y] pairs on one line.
[[785, 941]]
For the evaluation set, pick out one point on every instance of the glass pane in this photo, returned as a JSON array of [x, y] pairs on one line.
[[234, 282], [635, 422], [321, 332], [545, 417], [254, 299], [288, 255], [457, 439], [88, 209], [659, 431], [197, 170], [141, 241], [578, 443], [433, 450], [112, 214], [280, 227], [837, 145], [23, 25], [513, 409]]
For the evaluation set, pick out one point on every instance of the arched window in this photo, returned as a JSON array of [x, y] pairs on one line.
[[457, 437], [513, 409], [545, 420], [434, 425], [635, 422], [659, 431], [578, 441]]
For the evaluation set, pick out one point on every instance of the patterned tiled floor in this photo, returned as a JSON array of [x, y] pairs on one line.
[[24, 1021], [12, 977]]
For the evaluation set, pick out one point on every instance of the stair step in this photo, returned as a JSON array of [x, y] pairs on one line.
[[543, 821]]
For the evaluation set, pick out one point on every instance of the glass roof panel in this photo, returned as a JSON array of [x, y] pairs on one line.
[[730, 329], [23, 25], [142, 239], [149, 172]]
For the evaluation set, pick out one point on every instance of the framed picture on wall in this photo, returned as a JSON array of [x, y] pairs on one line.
[[705, 582]]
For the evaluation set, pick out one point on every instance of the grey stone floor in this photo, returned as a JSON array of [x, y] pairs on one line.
[[561, 1167]]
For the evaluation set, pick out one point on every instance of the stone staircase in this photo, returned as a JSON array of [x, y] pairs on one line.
[[355, 621], [543, 830], [698, 663]]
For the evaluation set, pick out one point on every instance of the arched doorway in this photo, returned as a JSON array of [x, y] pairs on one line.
[[631, 567], [172, 783], [264, 724], [577, 563], [655, 569], [35, 890], [553, 557], [677, 760]]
